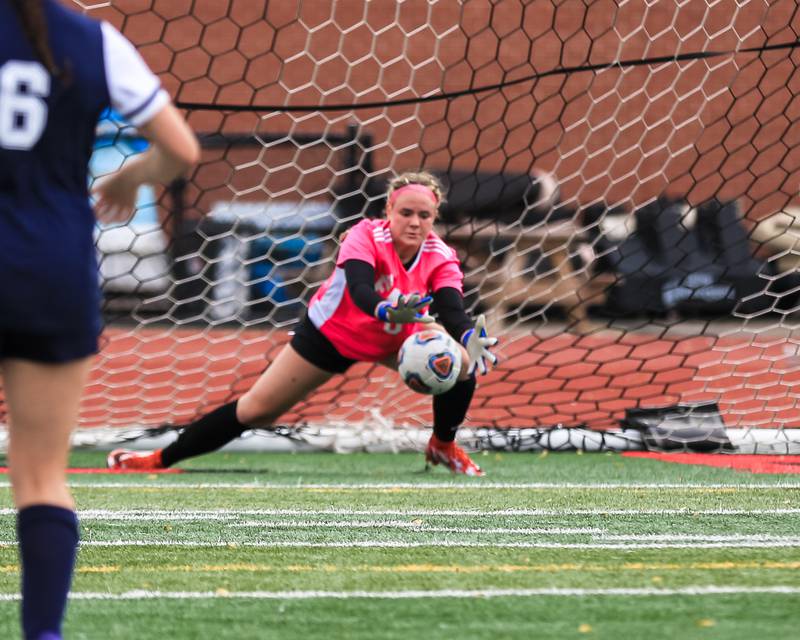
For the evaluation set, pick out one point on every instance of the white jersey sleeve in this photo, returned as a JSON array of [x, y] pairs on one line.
[[135, 91]]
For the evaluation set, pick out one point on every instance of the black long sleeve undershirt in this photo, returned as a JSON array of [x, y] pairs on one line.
[[448, 303], [448, 307], [360, 277]]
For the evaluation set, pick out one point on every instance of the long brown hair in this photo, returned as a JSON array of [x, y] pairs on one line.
[[31, 15]]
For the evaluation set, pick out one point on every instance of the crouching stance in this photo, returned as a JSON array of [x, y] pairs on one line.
[[387, 274]]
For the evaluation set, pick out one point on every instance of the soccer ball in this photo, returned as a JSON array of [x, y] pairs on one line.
[[429, 362]]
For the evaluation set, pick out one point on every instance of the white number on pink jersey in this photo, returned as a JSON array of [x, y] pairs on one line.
[[392, 328]]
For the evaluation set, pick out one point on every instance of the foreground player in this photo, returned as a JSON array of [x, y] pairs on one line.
[[58, 72], [363, 312]]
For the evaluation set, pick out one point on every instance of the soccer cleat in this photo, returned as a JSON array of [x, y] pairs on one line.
[[452, 456], [123, 460]]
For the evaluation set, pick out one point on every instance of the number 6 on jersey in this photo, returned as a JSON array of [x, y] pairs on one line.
[[23, 111]]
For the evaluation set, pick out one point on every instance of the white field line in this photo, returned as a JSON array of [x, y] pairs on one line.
[[478, 485], [409, 526], [678, 537], [597, 534], [415, 594], [398, 544], [227, 514]]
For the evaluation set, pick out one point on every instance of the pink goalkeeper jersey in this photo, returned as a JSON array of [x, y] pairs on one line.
[[357, 335]]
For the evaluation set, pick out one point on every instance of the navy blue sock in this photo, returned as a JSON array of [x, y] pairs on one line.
[[48, 541]]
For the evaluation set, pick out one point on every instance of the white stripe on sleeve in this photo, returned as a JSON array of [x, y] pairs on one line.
[[135, 91]]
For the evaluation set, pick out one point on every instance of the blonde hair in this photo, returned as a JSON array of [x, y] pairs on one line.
[[417, 177]]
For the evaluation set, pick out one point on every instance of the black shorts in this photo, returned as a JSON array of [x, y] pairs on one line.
[[313, 346], [52, 349]]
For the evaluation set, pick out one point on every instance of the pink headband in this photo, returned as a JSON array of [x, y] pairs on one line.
[[416, 188]]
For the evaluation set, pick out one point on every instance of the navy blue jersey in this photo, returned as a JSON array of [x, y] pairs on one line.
[[48, 270]]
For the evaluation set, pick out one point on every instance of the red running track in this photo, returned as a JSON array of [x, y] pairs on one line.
[[740, 462]]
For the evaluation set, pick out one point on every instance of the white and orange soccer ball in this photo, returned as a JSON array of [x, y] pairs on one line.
[[429, 362]]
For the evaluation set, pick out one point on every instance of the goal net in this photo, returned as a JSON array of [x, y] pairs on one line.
[[622, 190]]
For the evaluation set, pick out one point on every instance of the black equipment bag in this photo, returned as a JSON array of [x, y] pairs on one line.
[[682, 427]]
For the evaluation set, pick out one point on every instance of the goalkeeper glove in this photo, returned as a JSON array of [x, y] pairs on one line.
[[405, 310], [477, 344]]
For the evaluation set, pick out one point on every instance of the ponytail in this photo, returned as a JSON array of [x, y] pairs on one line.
[[34, 24]]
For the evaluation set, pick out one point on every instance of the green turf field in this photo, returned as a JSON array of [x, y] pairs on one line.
[[367, 546]]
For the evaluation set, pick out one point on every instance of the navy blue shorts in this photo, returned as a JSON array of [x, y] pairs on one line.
[[51, 349]]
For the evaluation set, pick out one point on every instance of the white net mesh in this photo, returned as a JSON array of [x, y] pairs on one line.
[[623, 182]]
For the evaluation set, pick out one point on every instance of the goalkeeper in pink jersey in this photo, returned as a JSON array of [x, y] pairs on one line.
[[387, 274]]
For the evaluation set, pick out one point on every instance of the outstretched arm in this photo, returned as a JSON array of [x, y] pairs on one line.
[[448, 304], [360, 278], [448, 307]]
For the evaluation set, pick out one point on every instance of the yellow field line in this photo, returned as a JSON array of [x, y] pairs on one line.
[[436, 568]]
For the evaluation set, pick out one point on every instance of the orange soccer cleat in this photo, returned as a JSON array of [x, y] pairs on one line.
[[123, 460], [452, 456]]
